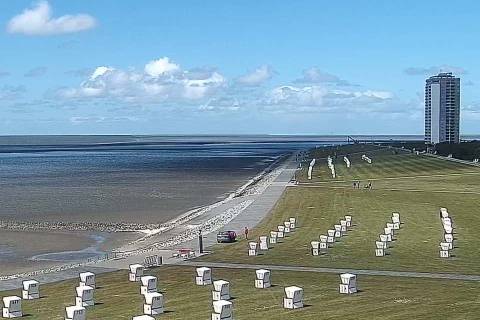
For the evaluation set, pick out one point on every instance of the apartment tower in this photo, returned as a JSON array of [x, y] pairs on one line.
[[442, 109]]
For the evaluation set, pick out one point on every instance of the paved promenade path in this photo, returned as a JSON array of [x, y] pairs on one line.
[[405, 274]]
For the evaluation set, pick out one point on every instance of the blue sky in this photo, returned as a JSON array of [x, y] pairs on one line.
[[296, 67]]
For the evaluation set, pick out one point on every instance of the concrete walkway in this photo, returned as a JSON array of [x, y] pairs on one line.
[[403, 274]]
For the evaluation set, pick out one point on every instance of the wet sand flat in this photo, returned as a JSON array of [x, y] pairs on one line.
[[17, 247]]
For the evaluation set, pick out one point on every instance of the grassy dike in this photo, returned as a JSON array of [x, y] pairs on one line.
[[416, 186], [380, 297]]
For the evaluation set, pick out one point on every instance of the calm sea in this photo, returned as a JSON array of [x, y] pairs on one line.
[[124, 178]]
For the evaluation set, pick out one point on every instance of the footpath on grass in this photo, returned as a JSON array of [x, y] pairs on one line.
[[404, 274]]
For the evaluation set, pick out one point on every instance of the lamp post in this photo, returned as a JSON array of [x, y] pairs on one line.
[[200, 241]]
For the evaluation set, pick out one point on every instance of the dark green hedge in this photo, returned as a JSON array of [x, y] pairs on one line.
[[464, 150]]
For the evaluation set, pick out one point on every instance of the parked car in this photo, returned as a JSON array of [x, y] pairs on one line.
[[226, 236]]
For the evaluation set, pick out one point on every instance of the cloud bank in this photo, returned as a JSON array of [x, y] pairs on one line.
[[163, 83], [323, 99], [161, 80]]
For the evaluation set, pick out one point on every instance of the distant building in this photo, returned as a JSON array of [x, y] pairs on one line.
[[442, 109]]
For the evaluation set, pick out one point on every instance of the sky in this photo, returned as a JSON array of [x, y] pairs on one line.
[[232, 67]]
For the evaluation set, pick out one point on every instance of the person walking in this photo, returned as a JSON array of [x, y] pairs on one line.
[[246, 233]]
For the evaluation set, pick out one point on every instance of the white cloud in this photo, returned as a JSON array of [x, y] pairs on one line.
[[198, 88], [162, 66], [380, 95], [222, 104], [161, 81], [38, 21], [318, 98], [290, 95], [257, 77], [104, 81], [100, 71]]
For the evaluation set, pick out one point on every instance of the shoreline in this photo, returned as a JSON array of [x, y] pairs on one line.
[[191, 214], [183, 235], [113, 227]]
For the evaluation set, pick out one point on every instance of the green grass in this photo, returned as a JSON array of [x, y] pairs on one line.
[[320, 205], [416, 247], [385, 163], [380, 297]]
